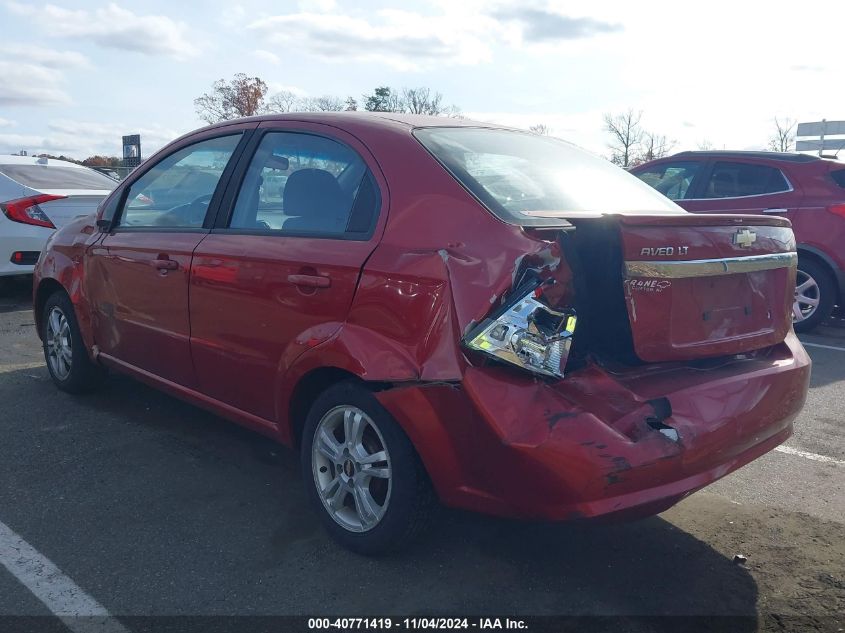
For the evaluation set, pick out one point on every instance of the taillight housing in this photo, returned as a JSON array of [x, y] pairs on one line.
[[27, 211], [837, 209], [527, 333]]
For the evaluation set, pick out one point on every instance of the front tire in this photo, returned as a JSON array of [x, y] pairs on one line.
[[815, 291], [362, 473], [64, 350]]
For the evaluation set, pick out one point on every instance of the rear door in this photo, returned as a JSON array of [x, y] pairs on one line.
[[278, 272], [137, 275], [731, 186]]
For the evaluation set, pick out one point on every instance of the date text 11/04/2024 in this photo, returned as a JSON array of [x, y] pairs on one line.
[[352, 624]]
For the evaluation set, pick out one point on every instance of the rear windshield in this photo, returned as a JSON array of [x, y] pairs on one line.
[[57, 177], [527, 179], [839, 177]]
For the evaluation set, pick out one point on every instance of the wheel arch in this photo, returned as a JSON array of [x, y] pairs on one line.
[[806, 251], [307, 388], [45, 289]]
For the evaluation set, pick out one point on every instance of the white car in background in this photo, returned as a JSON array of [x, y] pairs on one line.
[[37, 196]]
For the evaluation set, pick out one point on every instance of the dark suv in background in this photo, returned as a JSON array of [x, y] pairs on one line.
[[808, 190]]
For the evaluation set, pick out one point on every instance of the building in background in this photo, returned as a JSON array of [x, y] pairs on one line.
[[131, 151]]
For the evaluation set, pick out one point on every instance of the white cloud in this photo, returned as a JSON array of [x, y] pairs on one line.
[[274, 87], [266, 56], [114, 27], [455, 34], [46, 57], [232, 15], [402, 39], [538, 26], [23, 84], [80, 139], [7, 122], [319, 6]]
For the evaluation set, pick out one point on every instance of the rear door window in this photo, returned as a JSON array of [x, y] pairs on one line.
[[58, 177], [736, 180], [673, 180], [838, 177], [304, 184]]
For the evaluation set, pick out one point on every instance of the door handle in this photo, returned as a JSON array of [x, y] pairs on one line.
[[310, 281], [776, 210], [164, 264]]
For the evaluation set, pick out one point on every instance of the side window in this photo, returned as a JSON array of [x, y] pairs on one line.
[[735, 180], [305, 184], [673, 180], [111, 207], [176, 191]]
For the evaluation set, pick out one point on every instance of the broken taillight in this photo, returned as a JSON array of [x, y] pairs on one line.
[[527, 333]]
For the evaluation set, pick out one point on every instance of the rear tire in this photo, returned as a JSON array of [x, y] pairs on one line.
[[814, 285], [362, 473], [64, 350]]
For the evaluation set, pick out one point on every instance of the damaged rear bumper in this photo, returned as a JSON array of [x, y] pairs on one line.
[[599, 443]]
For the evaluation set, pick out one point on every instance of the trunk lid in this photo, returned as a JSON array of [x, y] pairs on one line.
[[698, 286], [64, 210]]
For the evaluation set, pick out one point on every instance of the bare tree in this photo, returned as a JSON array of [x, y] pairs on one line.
[[705, 145], [283, 101], [326, 103], [244, 96], [654, 146], [784, 137], [627, 135], [541, 128], [422, 101], [238, 97]]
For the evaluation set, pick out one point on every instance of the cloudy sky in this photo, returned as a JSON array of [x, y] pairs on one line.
[[76, 75]]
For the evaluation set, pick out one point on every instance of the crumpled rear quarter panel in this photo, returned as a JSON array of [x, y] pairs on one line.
[[509, 444]]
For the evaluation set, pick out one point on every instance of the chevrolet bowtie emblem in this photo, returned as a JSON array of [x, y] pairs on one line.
[[744, 238]]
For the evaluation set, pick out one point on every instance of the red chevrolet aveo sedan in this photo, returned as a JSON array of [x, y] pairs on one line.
[[436, 309]]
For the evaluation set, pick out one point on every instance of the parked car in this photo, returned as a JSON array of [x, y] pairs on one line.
[[436, 309], [808, 190], [38, 195]]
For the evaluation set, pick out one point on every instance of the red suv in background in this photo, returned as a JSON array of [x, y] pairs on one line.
[[808, 190]]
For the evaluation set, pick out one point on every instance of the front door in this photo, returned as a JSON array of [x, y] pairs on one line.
[[278, 273], [138, 274]]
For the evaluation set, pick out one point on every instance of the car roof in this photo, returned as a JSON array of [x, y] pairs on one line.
[[35, 160], [791, 157], [385, 120]]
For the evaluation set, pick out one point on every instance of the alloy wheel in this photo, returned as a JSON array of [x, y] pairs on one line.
[[807, 297], [352, 468], [58, 343]]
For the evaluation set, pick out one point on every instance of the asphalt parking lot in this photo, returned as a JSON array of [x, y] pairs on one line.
[[154, 507]]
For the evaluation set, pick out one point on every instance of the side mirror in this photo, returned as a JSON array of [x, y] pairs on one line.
[[104, 225]]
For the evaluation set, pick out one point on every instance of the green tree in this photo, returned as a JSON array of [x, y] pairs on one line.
[[383, 99]]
